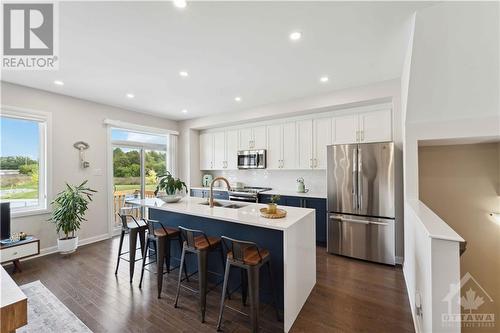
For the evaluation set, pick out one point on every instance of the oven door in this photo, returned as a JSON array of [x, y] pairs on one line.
[[252, 199]]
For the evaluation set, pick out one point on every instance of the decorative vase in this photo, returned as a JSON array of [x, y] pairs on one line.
[[67, 246], [171, 197], [271, 208]]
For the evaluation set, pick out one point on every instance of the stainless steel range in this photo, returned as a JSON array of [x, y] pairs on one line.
[[247, 194]]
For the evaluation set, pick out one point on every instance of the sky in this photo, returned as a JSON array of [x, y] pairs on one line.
[[18, 138]]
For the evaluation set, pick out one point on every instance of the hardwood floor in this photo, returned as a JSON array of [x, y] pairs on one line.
[[350, 296]]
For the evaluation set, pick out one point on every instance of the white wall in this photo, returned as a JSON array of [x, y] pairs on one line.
[[74, 120], [453, 93], [387, 91]]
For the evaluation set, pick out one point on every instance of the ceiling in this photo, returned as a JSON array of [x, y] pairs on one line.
[[229, 49]]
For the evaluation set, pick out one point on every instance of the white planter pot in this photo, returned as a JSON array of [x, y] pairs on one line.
[[67, 246]]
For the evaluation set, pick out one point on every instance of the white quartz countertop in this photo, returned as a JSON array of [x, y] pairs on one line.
[[249, 214], [309, 194]]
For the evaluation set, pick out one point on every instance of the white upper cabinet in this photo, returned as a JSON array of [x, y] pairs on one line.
[[289, 146], [259, 137], [365, 127], [206, 151], [282, 146], [375, 126], [295, 143], [305, 136], [245, 139], [322, 138], [219, 154], [346, 129], [232, 149], [274, 146], [252, 138]]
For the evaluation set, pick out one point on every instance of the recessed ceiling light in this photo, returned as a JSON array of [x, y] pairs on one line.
[[295, 36], [184, 111], [237, 99], [323, 79], [129, 95], [180, 3], [59, 82], [183, 74]]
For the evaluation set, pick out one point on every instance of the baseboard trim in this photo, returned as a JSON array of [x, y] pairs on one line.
[[411, 301], [53, 249]]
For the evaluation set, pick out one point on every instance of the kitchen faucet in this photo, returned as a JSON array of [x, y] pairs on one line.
[[211, 197]]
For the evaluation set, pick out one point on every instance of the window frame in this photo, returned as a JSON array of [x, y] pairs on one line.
[[45, 157]]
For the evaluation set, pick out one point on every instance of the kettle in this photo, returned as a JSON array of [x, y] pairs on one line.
[[301, 187], [207, 179]]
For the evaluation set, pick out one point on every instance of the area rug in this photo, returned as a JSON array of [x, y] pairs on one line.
[[46, 313]]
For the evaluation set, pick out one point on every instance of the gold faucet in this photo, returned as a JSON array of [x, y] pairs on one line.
[[211, 197]]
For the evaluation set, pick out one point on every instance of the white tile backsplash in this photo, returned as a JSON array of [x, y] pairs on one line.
[[315, 180]]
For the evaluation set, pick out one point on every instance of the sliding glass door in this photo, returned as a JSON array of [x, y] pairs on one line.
[[138, 159]]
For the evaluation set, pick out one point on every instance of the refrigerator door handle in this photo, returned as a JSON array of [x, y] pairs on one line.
[[359, 180], [354, 221], [355, 181]]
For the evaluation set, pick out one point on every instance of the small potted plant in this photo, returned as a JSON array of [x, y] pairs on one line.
[[172, 187], [69, 211], [271, 207]]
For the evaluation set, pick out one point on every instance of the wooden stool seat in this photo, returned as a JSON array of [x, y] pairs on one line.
[[166, 231], [251, 256], [200, 242]]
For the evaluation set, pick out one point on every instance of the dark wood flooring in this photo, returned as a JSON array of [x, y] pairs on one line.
[[350, 296]]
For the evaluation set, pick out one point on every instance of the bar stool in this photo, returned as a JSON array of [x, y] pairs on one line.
[[247, 256], [198, 243], [133, 228], [160, 237]]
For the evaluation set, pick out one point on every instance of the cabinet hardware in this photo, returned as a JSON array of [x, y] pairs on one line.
[[357, 136], [363, 135], [315, 162], [311, 163]]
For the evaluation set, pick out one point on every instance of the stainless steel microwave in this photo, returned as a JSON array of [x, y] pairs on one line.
[[252, 159]]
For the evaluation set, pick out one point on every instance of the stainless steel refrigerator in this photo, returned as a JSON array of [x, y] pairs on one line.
[[361, 219]]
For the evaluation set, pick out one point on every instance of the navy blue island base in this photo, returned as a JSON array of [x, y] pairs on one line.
[[269, 239]]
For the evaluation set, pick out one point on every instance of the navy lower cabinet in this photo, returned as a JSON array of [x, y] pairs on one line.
[[318, 204], [197, 193], [220, 195]]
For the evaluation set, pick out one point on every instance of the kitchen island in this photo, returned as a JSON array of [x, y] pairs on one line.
[[290, 241]]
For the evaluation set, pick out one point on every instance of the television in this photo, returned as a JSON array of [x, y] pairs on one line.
[[4, 220]]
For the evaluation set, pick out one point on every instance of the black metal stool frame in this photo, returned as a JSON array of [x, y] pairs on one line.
[[162, 253], [251, 285], [126, 229], [188, 236]]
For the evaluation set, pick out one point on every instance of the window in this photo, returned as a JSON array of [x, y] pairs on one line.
[[23, 175]]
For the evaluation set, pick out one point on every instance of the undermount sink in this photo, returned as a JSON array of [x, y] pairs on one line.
[[218, 204]]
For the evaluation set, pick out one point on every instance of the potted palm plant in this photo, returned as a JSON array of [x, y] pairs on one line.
[[69, 208], [172, 187]]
